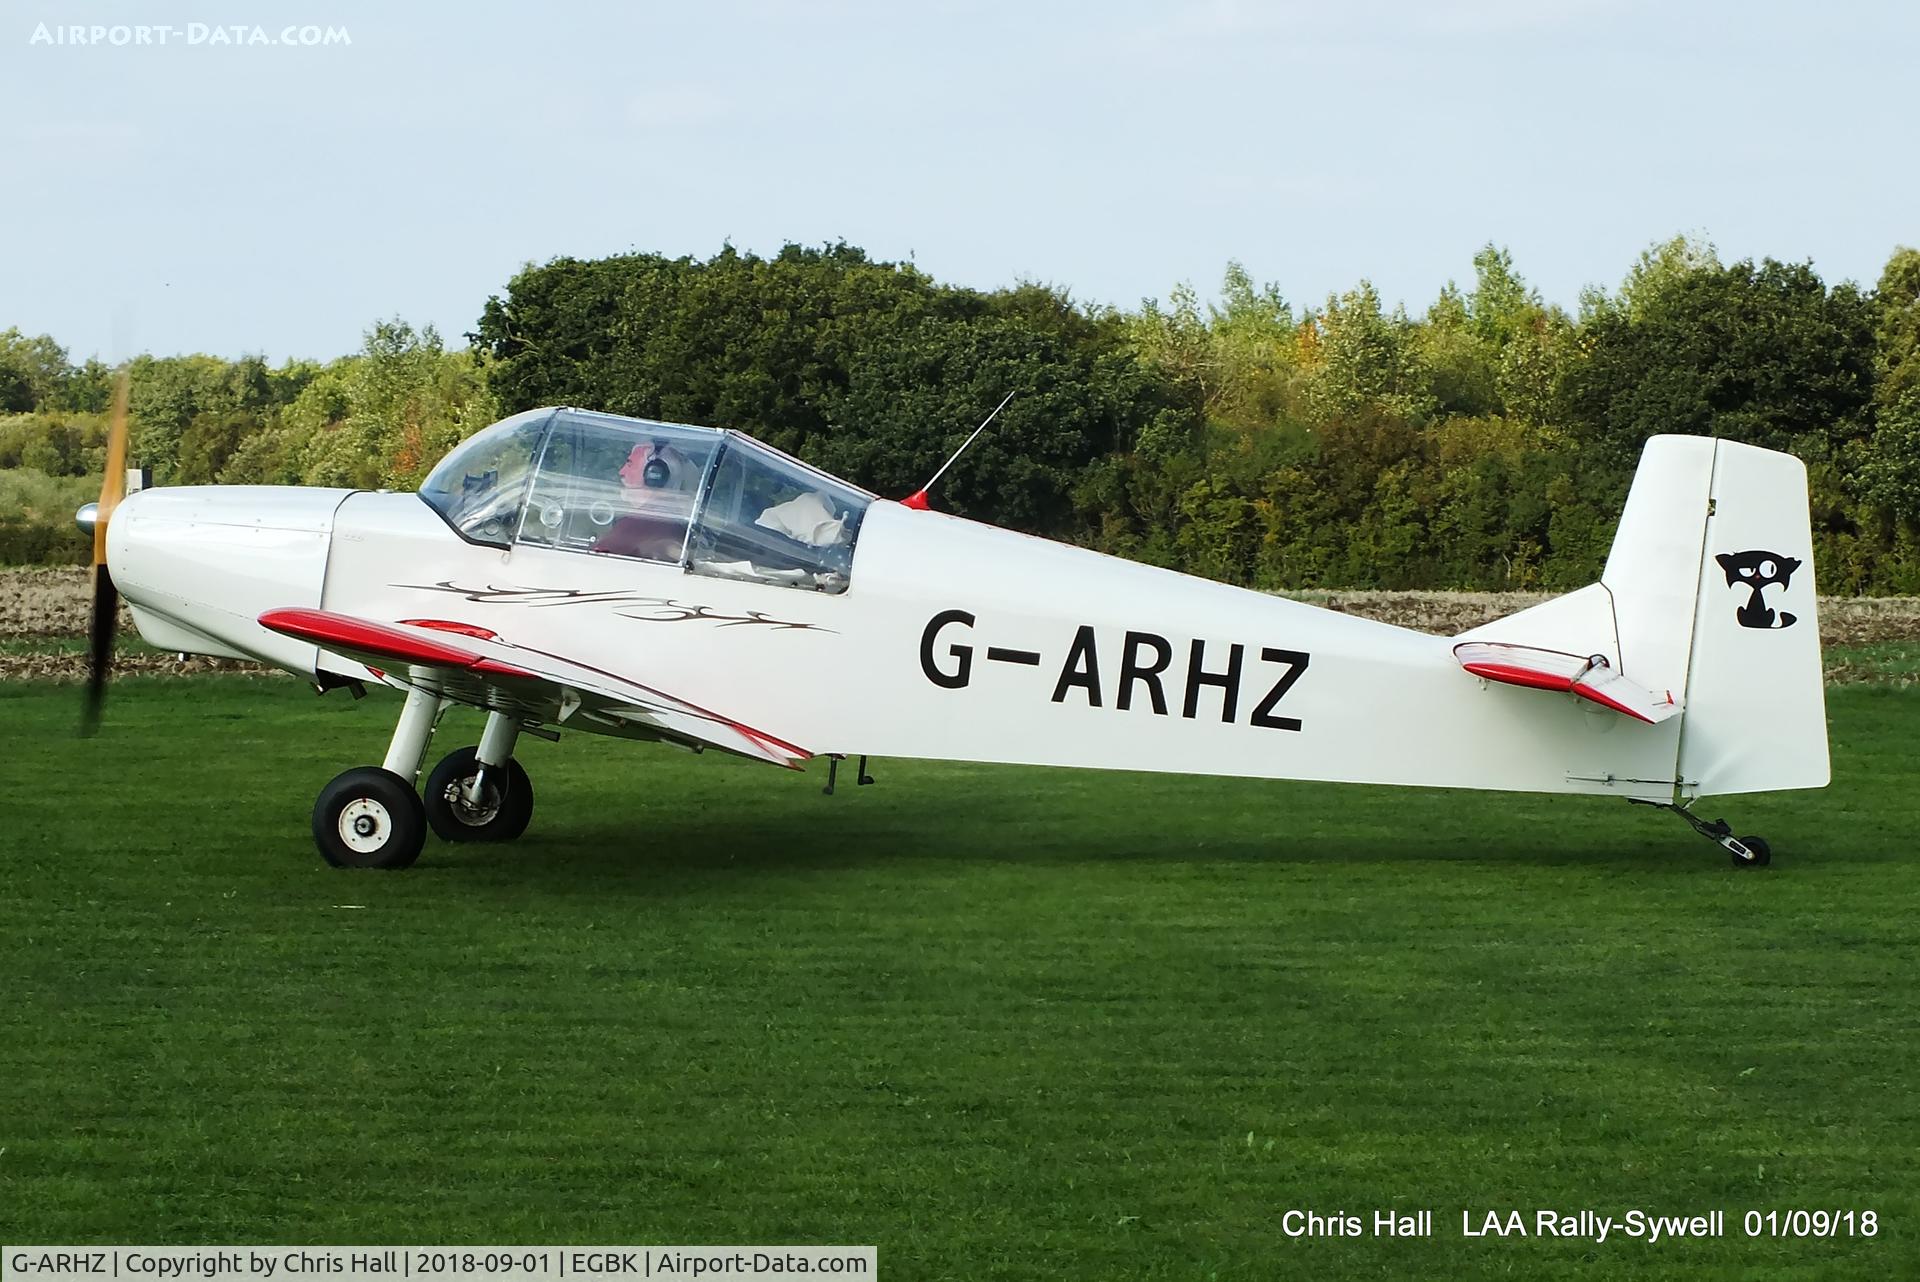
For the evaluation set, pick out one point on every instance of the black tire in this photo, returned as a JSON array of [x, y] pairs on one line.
[[1762, 853], [504, 817], [369, 818]]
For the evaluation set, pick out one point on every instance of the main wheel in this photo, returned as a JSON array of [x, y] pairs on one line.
[[1762, 853], [369, 818], [502, 812]]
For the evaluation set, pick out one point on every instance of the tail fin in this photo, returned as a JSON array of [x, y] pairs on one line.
[[1711, 575], [1708, 594]]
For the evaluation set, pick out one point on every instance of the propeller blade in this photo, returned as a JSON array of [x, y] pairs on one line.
[[113, 487], [100, 628], [106, 597]]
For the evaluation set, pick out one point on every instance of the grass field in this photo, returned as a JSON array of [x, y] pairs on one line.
[[1001, 1022]]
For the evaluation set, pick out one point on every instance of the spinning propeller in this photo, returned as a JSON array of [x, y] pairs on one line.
[[106, 598]]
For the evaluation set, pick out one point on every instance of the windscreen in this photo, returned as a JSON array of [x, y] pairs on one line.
[[481, 485]]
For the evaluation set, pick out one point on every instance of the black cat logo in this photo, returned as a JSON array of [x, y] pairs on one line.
[[1758, 571]]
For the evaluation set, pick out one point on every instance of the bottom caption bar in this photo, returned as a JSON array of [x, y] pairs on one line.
[[430, 1263]]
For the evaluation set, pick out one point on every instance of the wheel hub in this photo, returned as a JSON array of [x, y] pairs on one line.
[[470, 804], [365, 825]]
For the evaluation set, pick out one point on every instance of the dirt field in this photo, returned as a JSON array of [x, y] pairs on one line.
[[43, 626]]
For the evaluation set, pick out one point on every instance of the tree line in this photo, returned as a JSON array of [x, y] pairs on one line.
[[1486, 442]]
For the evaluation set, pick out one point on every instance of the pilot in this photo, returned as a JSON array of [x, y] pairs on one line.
[[657, 482], [654, 466]]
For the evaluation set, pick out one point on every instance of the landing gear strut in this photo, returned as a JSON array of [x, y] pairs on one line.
[[1747, 852]]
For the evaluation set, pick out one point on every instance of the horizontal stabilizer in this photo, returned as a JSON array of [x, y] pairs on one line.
[[1588, 676]]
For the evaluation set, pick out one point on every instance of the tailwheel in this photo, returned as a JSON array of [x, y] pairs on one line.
[[1747, 852], [369, 817], [466, 801]]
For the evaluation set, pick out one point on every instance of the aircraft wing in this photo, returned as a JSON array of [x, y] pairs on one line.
[[472, 665], [1589, 677]]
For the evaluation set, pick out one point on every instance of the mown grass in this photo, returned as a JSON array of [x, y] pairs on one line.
[[1002, 1022]]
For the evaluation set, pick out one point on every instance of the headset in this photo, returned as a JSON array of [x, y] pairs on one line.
[[656, 473]]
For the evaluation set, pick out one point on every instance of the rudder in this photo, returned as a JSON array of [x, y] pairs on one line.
[[1756, 714]]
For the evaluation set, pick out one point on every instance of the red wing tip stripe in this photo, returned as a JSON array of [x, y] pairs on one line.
[[448, 625], [768, 741], [1514, 675], [325, 628], [495, 668]]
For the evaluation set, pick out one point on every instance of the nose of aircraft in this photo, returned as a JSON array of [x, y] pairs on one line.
[[197, 565]]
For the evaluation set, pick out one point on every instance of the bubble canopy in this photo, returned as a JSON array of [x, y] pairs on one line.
[[713, 502]]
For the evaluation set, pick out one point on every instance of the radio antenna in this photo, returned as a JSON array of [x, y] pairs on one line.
[[918, 499]]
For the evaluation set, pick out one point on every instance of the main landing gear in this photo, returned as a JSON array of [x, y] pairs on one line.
[[1747, 852], [370, 816]]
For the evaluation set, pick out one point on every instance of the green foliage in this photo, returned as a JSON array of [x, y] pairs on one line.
[[209, 441], [57, 443], [36, 517], [1370, 501], [738, 341], [1890, 473], [1502, 304], [32, 371], [1238, 364], [1485, 444], [1660, 268], [1366, 357], [1462, 364], [1532, 367], [868, 369], [382, 418], [1766, 355], [170, 393], [86, 389]]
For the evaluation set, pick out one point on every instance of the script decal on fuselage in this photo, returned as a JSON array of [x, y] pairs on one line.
[[627, 605], [1142, 678]]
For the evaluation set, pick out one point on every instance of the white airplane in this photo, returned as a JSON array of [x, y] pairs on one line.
[[571, 570]]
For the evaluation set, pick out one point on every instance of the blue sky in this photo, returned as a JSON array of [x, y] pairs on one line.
[[238, 198]]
